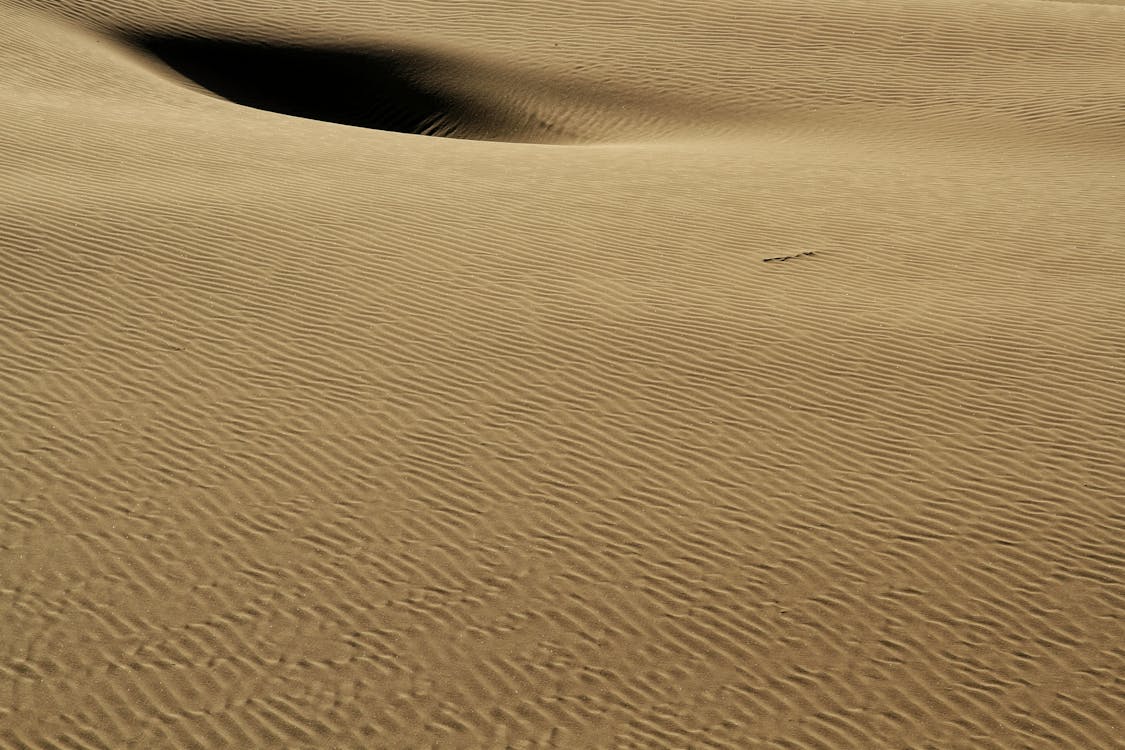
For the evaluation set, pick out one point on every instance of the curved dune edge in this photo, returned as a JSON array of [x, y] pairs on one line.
[[781, 409], [399, 88]]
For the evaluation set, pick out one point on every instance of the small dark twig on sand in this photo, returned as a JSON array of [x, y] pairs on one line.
[[789, 257]]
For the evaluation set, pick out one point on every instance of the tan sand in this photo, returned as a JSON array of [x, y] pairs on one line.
[[324, 436]]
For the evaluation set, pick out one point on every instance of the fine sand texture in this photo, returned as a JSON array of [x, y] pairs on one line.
[[562, 374]]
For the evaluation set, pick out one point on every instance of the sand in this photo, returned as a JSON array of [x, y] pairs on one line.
[[494, 419]]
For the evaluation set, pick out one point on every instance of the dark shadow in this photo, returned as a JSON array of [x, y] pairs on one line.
[[384, 90]]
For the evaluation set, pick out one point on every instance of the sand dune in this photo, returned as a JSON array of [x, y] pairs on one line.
[[602, 374]]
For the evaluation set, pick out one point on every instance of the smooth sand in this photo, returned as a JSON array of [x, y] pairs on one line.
[[324, 436]]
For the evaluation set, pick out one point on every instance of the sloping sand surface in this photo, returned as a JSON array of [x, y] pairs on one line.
[[721, 374]]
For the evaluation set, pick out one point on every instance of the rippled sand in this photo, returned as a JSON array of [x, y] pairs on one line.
[[710, 374]]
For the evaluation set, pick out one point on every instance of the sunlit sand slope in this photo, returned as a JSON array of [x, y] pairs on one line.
[[601, 374]]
